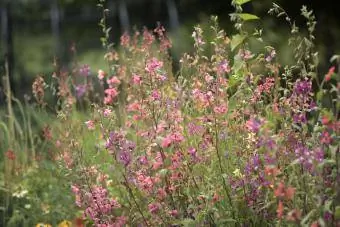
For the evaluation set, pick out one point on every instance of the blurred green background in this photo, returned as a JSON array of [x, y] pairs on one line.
[[34, 31]]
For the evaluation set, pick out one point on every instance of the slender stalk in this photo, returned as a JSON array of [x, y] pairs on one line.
[[134, 200]]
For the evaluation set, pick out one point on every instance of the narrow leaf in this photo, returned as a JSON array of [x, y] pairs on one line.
[[241, 2], [245, 16]]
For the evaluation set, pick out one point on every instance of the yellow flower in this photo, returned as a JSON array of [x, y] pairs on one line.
[[237, 173], [65, 223], [43, 225]]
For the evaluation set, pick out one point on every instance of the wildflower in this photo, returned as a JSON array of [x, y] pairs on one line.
[[294, 215], [271, 55], [153, 65], [85, 70], [156, 95], [125, 40], [328, 216], [271, 171], [299, 118], [325, 138], [325, 120], [328, 76], [161, 193], [221, 109], [245, 54], [198, 37], [253, 125], [125, 157], [166, 142], [173, 213], [80, 90], [154, 208], [282, 192], [120, 221], [192, 151], [216, 197], [302, 87], [315, 224], [177, 137], [107, 112], [38, 89], [113, 81], [101, 74], [223, 67], [237, 173], [136, 79], [208, 78], [111, 93], [148, 39], [65, 223], [90, 124], [279, 210], [10, 154], [43, 225]]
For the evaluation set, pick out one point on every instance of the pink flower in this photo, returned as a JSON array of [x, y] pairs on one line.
[[166, 142], [113, 81], [328, 76], [154, 208], [325, 138], [90, 125], [173, 213], [253, 125], [136, 80], [161, 193], [208, 78], [107, 112], [223, 67], [153, 65], [111, 92], [221, 109], [177, 137], [156, 95]]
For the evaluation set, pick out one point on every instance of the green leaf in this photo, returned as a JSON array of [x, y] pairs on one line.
[[307, 217], [227, 220], [241, 2], [236, 40], [337, 213], [245, 16]]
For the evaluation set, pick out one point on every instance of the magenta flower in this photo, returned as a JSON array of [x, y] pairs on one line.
[[85, 70], [253, 125], [154, 208], [136, 80], [153, 65], [90, 125], [166, 142]]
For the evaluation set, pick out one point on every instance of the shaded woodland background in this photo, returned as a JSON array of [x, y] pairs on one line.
[[33, 32]]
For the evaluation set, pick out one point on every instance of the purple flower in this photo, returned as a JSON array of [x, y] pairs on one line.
[[125, 157], [80, 90], [253, 125], [85, 70], [299, 118], [303, 87]]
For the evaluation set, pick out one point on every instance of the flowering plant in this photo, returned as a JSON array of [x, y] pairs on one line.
[[232, 139]]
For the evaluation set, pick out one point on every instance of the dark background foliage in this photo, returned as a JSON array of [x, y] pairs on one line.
[[34, 31]]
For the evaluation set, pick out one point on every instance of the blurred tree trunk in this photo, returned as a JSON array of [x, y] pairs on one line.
[[55, 25], [173, 14], [123, 16], [7, 38]]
